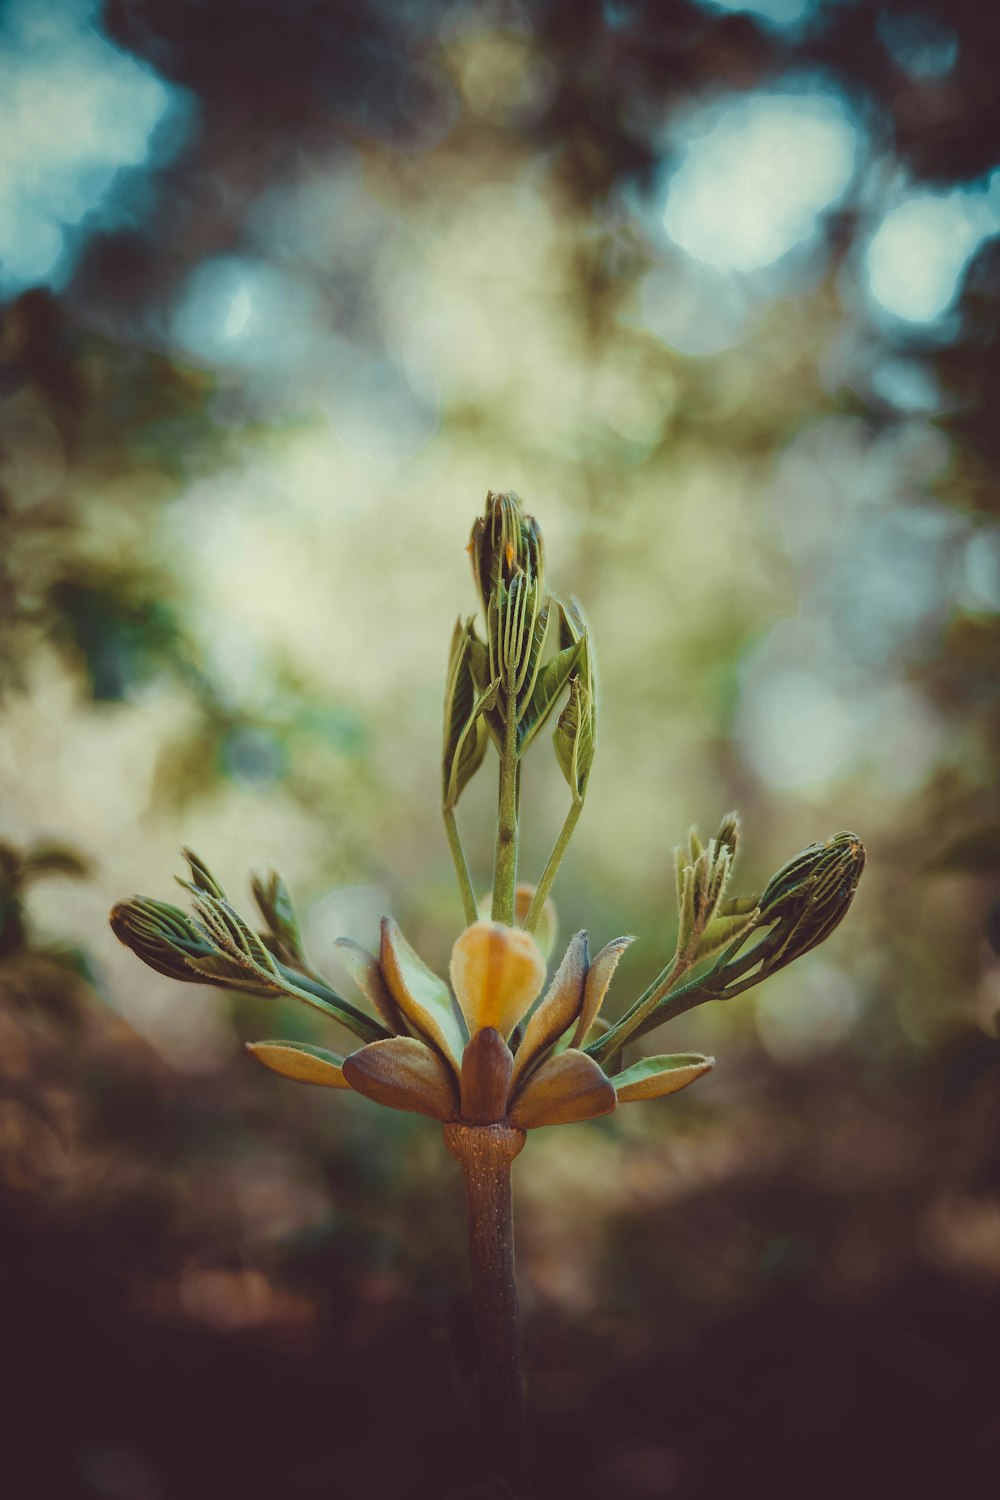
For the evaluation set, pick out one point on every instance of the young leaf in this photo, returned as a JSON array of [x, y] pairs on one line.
[[302, 1063], [202, 878], [652, 1077], [549, 686], [420, 994], [275, 905], [465, 732]]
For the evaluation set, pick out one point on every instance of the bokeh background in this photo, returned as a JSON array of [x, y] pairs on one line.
[[286, 288]]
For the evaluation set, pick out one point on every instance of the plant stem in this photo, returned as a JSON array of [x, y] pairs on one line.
[[461, 866], [555, 859], [505, 857], [317, 993], [485, 1154], [614, 1040]]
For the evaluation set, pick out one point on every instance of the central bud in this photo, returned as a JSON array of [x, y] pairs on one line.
[[497, 972]]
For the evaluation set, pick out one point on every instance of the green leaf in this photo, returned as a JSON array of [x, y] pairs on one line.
[[465, 729], [275, 905], [234, 936], [652, 1077], [202, 878], [530, 667], [721, 931], [549, 686], [302, 1063], [424, 999], [573, 738]]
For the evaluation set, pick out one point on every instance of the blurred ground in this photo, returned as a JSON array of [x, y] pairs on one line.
[[715, 288]]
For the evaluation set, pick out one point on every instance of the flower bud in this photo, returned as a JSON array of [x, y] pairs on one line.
[[801, 905], [496, 973], [505, 544], [164, 937]]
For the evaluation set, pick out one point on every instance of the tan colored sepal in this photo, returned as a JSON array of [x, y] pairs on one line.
[[302, 1063], [420, 994], [496, 972], [557, 1011], [366, 971], [566, 1088], [486, 1070], [599, 976], [652, 1077], [404, 1073]]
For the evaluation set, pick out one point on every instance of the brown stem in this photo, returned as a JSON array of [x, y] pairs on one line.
[[485, 1153]]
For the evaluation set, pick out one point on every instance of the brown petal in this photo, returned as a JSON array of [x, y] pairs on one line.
[[599, 976], [566, 1088], [404, 1073], [557, 1011], [486, 1070]]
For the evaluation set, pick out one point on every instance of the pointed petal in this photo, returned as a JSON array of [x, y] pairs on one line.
[[300, 1062], [486, 1070], [599, 976], [651, 1077], [421, 995], [557, 1011], [366, 971], [566, 1088], [496, 971], [404, 1073]]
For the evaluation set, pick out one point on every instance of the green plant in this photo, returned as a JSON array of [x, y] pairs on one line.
[[513, 1055]]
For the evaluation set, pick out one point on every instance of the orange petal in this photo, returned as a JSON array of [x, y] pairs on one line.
[[404, 1073], [496, 972], [566, 1088]]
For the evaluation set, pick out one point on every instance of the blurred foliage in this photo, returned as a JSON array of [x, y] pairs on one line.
[[380, 258]]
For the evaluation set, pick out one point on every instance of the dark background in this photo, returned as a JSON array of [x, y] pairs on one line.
[[286, 289]]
